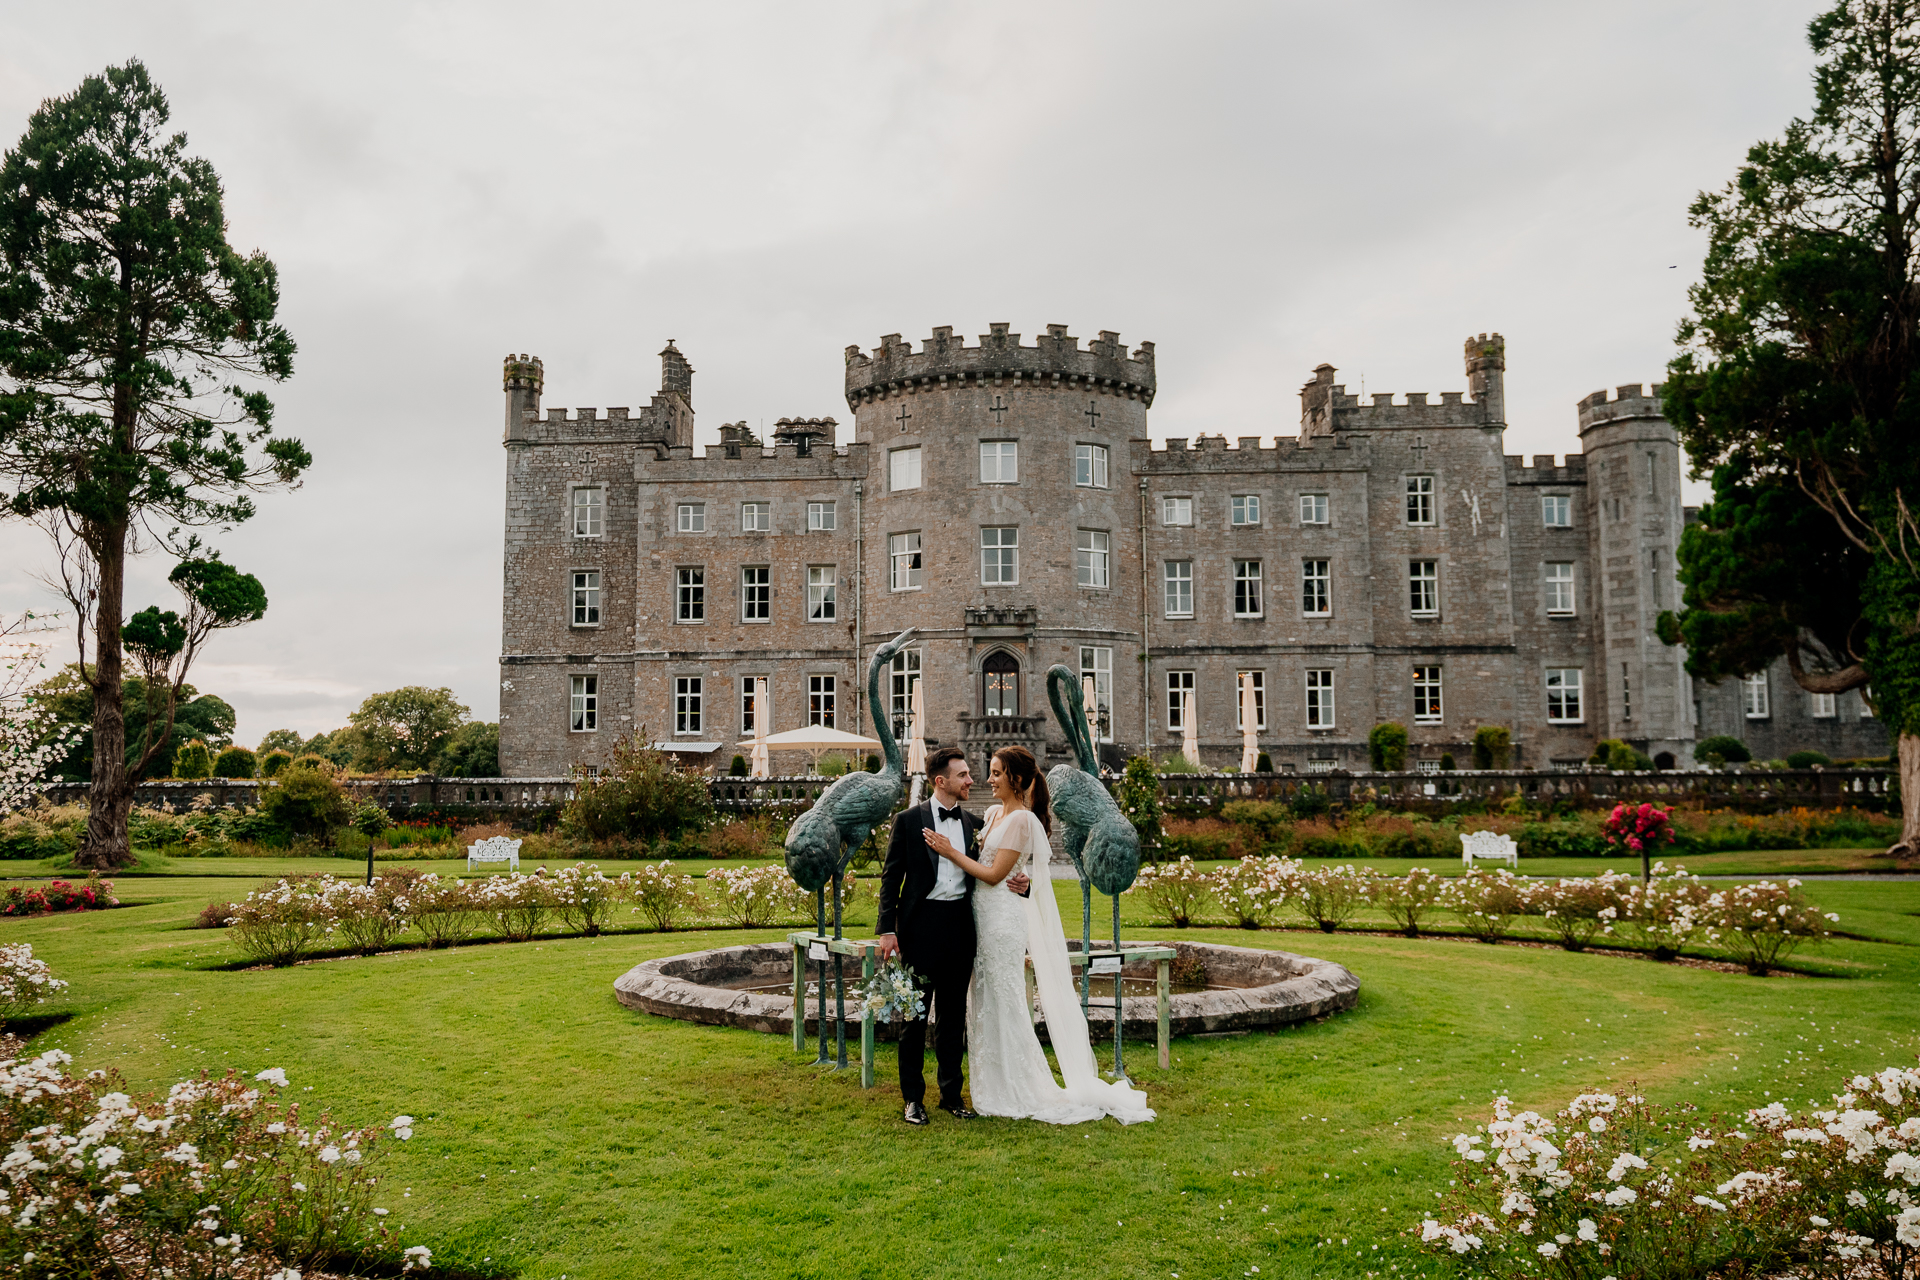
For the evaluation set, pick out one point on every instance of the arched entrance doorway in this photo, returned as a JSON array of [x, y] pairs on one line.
[[1000, 684]]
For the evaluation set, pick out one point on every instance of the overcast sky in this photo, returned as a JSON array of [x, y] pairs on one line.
[[1256, 188]]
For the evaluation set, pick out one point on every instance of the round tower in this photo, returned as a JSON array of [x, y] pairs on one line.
[[1642, 694], [1002, 519], [522, 378]]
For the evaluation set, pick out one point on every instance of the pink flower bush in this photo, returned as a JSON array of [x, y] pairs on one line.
[[1639, 829]]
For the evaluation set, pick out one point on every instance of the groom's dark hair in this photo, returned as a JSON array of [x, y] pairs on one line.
[[937, 762]]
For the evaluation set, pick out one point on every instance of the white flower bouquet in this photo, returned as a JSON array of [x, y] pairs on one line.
[[891, 993]]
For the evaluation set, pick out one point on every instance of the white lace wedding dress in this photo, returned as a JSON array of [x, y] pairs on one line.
[[1008, 1070]]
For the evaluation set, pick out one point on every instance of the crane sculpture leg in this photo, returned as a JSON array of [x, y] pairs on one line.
[[1086, 944], [820, 929], [1119, 1023], [839, 987]]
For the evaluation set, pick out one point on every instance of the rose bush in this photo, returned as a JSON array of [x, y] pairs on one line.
[[24, 981], [1176, 891]]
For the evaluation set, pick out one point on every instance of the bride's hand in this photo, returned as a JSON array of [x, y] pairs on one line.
[[942, 846]]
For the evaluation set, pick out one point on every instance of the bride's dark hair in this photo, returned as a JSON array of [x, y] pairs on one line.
[[1024, 772]]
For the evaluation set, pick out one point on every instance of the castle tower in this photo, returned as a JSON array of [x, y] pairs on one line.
[[675, 399], [1634, 515], [1486, 375], [1002, 519], [523, 378]]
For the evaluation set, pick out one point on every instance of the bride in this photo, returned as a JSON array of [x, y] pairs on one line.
[[1010, 1073]]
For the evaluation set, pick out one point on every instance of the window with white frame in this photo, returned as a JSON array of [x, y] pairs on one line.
[[1096, 664], [999, 556], [585, 706], [749, 685], [1090, 466], [1090, 558], [822, 583], [1246, 508], [691, 517], [689, 693], [821, 517], [1178, 577], [691, 596], [586, 597], [756, 593], [589, 512], [1556, 511], [1560, 586], [903, 557], [1423, 587], [1176, 511], [1563, 696], [903, 467], [756, 517], [1320, 699], [1248, 601], [1426, 695], [1316, 588], [1753, 696], [1419, 499], [1258, 679], [902, 674], [821, 692], [1313, 508], [1179, 689], [1823, 706], [999, 461]]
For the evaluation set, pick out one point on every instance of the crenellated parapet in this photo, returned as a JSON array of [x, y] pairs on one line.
[[1056, 361], [1206, 455], [1545, 469], [1625, 404], [1326, 407]]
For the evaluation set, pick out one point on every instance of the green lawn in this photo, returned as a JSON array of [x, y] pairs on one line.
[[562, 1134]]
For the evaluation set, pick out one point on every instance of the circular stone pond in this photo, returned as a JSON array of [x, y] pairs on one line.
[[1246, 989]]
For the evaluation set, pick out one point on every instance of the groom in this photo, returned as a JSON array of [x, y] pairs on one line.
[[926, 918]]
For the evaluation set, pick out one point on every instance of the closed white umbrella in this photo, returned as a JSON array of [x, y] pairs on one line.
[[1189, 731], [762, 767], [1249, 727], [1093, 712], [917, 741]]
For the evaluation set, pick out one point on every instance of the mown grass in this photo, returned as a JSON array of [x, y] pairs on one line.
[[561, 1134]]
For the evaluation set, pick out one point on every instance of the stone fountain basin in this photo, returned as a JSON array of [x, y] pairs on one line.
[[1248, 989]]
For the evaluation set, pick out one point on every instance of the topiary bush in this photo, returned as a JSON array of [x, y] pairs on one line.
[[1808, 760], [1447, 763], [1387, 747], [193, 760], [1492, 746], [1263, 763], [737, 768], [235, 762], [273, 762], [1723, 746]]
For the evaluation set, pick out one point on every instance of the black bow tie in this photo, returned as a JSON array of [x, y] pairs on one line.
[[945, 815]]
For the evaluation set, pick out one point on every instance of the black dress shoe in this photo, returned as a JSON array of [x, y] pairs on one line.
[[915, 1113], [958, 1110]]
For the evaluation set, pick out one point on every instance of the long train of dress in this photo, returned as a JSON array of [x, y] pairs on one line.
[[1008, 1070]]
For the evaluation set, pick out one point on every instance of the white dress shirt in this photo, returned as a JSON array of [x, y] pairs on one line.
[[950, 882]]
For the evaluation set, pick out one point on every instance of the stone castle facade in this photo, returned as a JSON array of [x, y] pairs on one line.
[[1388, 563]]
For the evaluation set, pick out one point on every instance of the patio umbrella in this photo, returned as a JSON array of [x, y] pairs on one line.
[[1189, 731], [814, 740], [1249, 727], [917, 733], [762, 768]]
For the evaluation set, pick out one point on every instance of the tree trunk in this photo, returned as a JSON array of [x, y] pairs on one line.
[[106, 845], [1909, 761]]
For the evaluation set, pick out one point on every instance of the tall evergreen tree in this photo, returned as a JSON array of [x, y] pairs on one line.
[[126, 322], [1798, 372]]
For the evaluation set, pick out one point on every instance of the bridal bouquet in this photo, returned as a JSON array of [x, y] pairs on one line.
[[890, 993]]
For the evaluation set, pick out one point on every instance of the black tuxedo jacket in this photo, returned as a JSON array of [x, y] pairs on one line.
[[911, 868]]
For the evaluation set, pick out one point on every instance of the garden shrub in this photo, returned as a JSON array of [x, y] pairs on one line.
[[1263, 763], [585, 898], [24, 981], [1487, 901], [280, 924], [193, 760], [1266, 826], [1577, 910], [1386, 835], [445, 909], [755, 897], [1387, 747], [213, 1178], [214, 915], [273, 762], [1310, 801], [235, 762], [1319, 839], [42, 832], [1200, 839], [1174, 891], [1178, 763], [737, 767], [366, 917], [1763, 923], [1727, 748], [641, 795], [306, 799], [750, 837], [1492, 746], [517, 903], [1668, 911], [1253, 889], [60, 895], [1327, 896], [663, 895], [873, 763], [1138, 796], [1411, 898], [1447, 762], [1618, 1186], [1808, 760]]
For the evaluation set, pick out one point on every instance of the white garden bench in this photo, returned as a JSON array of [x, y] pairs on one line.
[[494, 849], [1488, 846]]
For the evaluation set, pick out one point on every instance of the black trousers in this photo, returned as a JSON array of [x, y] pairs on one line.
[[938, 945]]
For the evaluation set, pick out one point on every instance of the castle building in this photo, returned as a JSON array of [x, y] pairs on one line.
[[1389, 562]]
